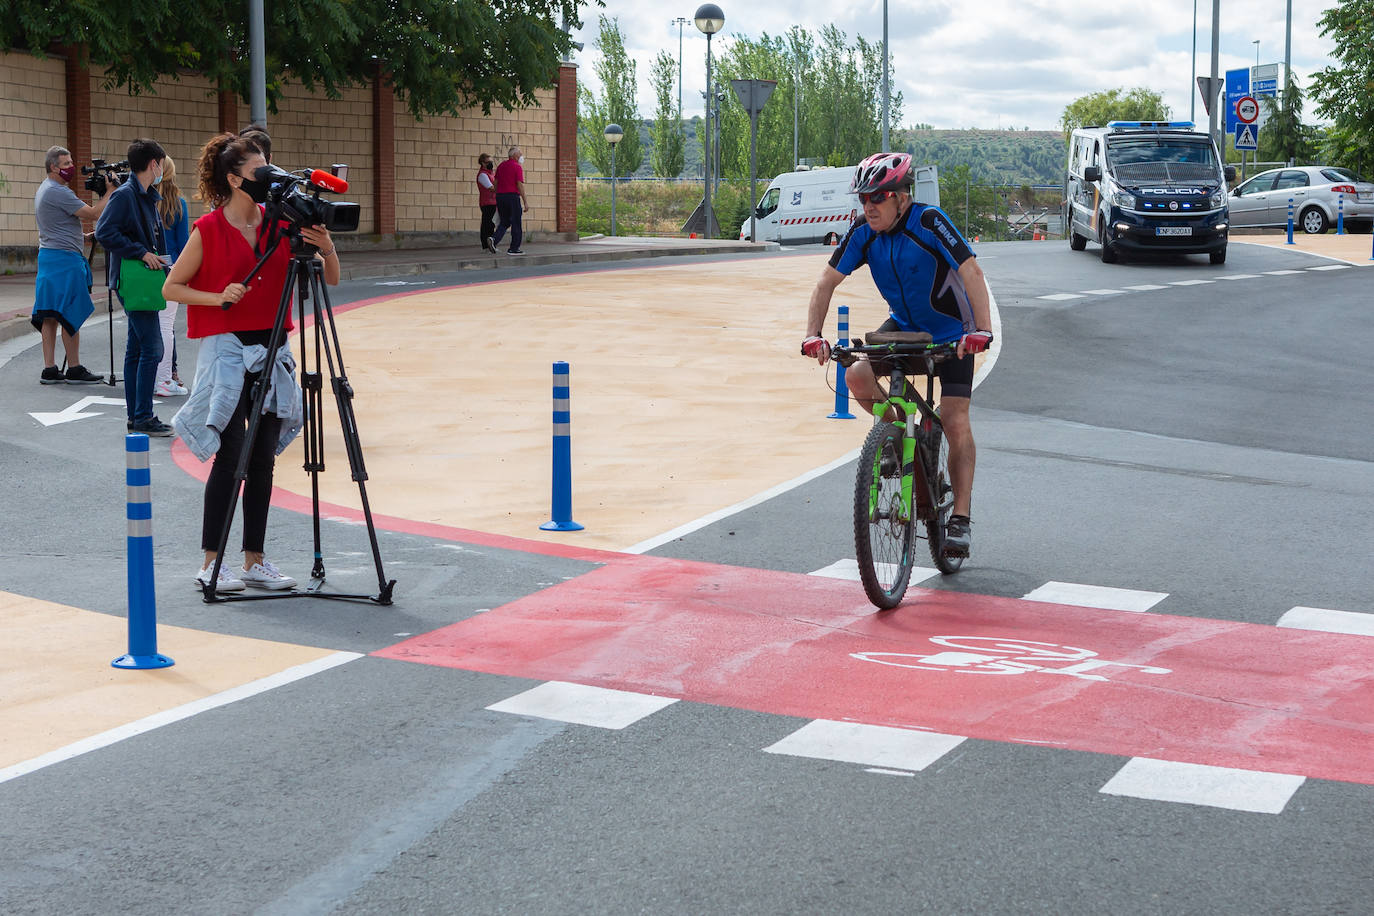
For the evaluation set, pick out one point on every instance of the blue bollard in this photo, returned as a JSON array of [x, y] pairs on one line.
[[562, 454], [142, 599], [1340, 214], [1290, 220], [842, 389]]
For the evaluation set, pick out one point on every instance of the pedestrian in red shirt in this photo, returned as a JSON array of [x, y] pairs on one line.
[[510, 199]]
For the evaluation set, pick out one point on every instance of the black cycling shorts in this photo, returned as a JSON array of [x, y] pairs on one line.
[[955, 375]]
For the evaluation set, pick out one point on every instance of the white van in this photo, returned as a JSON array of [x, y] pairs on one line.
[[815, 205]]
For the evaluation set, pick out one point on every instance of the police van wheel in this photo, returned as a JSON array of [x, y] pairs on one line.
[[1077, 242], [1108, 252], [1217, 257]]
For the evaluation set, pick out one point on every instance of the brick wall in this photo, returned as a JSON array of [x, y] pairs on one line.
[[435, 160], [33, 117]]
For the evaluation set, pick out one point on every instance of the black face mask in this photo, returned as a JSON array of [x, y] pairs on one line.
[[256, 189]]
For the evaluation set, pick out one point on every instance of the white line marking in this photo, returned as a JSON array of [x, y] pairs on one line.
[[1060, 297], [1333, 267], [882, 772], [875, 745], [1281, 273], [1328, 621], [176, 714], [581, 704], [1102, 292], [1238, 277], [1198, 784], [848, 570], [1146, 287], [1099, 596], [1189, 282]]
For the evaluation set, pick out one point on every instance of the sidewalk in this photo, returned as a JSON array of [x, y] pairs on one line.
[[16, 290]]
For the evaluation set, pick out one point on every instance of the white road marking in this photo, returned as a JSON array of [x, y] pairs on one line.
[[1198, 784], [583, 705], [1333, 267], [874, 745], [1102, 292], [849, 571], [1238, 277], [1281, 273], [1146, 287], [176, 714], [1328, 621], [1099, 596], [1189, 282], [1060, 297]]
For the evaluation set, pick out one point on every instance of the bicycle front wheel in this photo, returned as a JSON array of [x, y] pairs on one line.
[[944, 504], [883, 525]]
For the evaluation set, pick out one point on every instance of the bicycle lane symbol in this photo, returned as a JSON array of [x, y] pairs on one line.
[[1002, 656]]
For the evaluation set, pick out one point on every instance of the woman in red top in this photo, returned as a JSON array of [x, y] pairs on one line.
[[486, 199], [222, 249]]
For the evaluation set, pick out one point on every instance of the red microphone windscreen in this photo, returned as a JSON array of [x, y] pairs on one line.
[[329, 182]]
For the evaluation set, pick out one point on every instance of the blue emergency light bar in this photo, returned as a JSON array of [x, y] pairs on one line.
[[1150, 125]]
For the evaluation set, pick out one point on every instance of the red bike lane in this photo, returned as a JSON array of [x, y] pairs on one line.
[[1186, 689]]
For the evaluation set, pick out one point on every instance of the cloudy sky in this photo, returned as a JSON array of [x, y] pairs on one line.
[[991, 63]]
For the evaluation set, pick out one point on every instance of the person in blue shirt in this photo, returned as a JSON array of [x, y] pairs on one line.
[[174, 213], [130, 229], [931, 282]]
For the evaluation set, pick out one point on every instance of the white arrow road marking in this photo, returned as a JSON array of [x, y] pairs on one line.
[[74, 412]]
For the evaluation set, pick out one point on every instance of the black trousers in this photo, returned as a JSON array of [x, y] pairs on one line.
[[488, 223], [257, 486]]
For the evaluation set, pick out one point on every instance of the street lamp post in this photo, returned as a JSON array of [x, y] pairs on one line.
[[613, 135], [709, 20], [681, 21], [886, 145]]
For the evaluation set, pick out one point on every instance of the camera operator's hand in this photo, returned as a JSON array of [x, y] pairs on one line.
[[320, 238], [233, 292]]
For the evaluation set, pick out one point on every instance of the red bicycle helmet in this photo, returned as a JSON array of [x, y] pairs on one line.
[[882, 172]]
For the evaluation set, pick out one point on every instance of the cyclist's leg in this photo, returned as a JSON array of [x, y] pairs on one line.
[[863, 385], [954, 416]]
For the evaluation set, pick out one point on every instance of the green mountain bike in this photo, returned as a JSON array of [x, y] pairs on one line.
[[903, 475]]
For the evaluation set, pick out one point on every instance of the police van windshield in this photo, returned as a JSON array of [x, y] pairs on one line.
[[1135, 159]]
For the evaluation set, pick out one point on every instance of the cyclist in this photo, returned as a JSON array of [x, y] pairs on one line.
[[931, 282]]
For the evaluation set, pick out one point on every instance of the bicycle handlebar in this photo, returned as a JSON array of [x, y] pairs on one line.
[[846, 356]]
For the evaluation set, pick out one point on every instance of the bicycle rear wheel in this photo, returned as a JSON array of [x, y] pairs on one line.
[[938, 445], [883, 528]]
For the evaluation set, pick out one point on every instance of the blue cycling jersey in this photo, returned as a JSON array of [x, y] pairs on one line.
[[915, 266]]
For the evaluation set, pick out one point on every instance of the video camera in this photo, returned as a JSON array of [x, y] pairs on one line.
[[103, 174], [295, 198]]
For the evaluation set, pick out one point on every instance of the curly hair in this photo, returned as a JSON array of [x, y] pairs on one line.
[[220, 157]]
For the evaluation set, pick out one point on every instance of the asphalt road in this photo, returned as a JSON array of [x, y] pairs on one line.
[[1203, 441]]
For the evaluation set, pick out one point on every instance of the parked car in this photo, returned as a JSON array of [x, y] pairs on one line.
[[1317, 192]]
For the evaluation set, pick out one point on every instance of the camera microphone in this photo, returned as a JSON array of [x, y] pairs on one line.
[[325, 181]]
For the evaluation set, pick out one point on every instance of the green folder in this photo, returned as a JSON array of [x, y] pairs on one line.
[[140, 289]]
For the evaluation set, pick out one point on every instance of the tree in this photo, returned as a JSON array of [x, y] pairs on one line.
[[1097, 109], [668, 153], [1284, 137], [424, 48], [617, 105], [1342, 92]]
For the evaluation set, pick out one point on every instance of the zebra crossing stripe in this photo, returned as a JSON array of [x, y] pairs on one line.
[[581, 704], [1199, 784], [869, 745]]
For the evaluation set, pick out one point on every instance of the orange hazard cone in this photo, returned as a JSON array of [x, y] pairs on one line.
[[1036, 236]]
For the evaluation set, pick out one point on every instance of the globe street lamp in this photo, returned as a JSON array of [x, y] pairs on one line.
[[613, 135], [709, 20]]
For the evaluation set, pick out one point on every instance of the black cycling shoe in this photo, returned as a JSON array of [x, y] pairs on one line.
[[957, 536]]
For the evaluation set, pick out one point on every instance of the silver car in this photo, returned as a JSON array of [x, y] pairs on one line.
[[1317, 191]]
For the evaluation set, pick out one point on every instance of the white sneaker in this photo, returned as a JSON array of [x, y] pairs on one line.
[[226, 583], [265, 575], [170, 389]]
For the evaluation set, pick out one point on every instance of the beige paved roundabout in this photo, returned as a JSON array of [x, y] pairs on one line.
[[688, 396]]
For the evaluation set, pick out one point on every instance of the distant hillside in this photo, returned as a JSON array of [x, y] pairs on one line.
[[1000, 157]]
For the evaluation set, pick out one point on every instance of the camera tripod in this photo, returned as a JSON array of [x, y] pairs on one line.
[[109, 308], [305, 281]]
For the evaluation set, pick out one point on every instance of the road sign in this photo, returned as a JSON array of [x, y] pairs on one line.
[[1209, 88], [1264, 80], [1247, 137], [753, 95], [1237, 87], [1247, 109]]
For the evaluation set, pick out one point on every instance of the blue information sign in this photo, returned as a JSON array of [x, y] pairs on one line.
[[1237, 87]]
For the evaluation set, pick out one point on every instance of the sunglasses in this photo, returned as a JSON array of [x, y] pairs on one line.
[[876, 197]]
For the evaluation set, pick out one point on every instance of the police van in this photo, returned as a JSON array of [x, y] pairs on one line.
[[1139, 186], [816, 205]]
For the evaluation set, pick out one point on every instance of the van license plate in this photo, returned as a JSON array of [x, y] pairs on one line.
[[1173, 230]]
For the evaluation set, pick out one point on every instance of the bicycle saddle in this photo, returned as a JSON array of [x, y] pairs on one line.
[[897, 337]]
